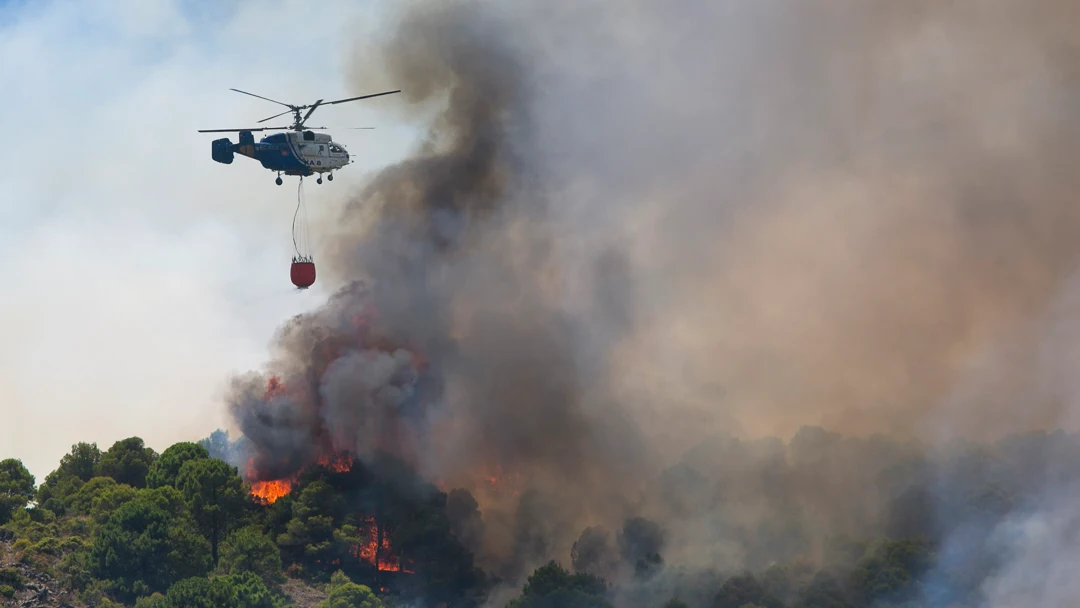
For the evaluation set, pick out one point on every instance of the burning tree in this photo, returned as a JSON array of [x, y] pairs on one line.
[[375, 520]]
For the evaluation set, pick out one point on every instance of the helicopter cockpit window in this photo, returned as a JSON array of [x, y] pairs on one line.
[[336, 149]]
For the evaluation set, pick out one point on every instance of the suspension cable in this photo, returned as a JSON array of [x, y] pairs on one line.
[[299, 202]]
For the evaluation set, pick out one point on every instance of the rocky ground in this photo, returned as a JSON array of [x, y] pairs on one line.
[[33, 589], [301, 595]]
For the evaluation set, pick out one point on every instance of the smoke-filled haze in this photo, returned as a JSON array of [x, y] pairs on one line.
[[634, 226]]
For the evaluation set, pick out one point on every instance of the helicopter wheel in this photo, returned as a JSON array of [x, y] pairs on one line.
[[330, 177], [278, 180], [318, 181]]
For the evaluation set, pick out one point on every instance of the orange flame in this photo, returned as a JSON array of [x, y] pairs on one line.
[[367, 336], [270, 491], [502, 481], [338, 463], [380, 555]]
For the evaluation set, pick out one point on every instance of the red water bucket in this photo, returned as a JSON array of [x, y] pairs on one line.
[[302, 273]]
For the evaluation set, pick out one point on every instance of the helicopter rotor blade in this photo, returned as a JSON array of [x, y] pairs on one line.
[[312, 109], [361, 97], [334, 128], [275, 116], [266, 98], [250, 129]]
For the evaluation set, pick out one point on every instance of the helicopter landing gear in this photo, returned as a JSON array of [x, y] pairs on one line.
[[319, 181], [330, 177], [278, 180]]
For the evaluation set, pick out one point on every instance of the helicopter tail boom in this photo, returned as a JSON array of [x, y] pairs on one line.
[[222, 150]]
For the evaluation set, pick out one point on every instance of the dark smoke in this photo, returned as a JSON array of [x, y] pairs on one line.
[[635, 228], [461, 247]]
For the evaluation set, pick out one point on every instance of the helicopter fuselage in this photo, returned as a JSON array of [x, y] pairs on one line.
[[292, 153]]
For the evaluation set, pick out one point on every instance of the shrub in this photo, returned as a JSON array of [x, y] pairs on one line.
[[76, 571], [95, 594], [151, 601], [11, 578], [48, 545], [7, 591], [42, 516], [76, 526]]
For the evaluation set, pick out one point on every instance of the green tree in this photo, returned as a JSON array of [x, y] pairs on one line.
[[167, 466], [141, 549], [155, 600], [16, 488], [82, 461], [309, 536], [235, 591], [200, 592], [675, 603], [252, 592], [127, 461], [426, 543], [98, 498], [250, 550], [215, 494], [551, 586], [346, 594], [76, 468], [168, 499]]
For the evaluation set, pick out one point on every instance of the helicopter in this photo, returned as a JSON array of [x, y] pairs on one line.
[[300, 151]]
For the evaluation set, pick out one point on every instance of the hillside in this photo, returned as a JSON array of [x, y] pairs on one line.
[[825, 521], [132, 527], [26, 572], [24, 584]]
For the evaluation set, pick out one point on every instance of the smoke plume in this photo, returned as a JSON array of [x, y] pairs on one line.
[[638, 227]]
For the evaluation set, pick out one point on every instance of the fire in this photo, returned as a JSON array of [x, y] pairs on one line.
[[502, 481], [381, 555], [331, 451], [270, 491], [338, 463]]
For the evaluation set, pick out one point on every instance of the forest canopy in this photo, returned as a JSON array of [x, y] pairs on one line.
[[821, 520]]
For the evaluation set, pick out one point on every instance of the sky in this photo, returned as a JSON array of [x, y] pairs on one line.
[[139, 273]]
